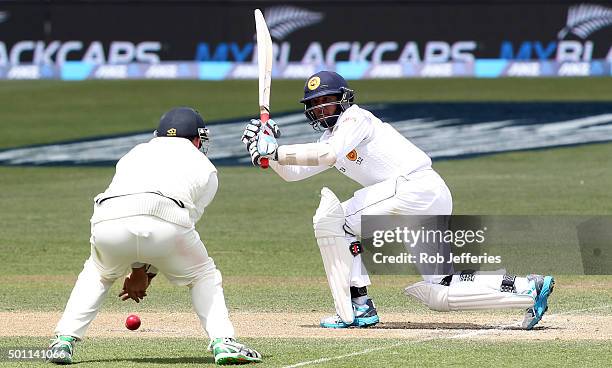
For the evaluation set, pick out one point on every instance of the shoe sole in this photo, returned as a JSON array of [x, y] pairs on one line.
[[233, 359], [60, 361], [366, 322], [61, 358], [326, 325], [358, 323], [541, 305]]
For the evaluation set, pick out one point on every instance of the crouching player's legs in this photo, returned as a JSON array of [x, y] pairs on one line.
[[187, 264], [111, 254], [346, 275]]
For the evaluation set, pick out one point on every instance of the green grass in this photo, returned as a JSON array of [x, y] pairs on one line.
[[103, 352], [45, 211], [262, 240], [55, 241], [35, 112]]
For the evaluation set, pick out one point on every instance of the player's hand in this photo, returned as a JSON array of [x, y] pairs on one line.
[[135, 285], [254, 127], [267, 146], [251, 131], [272, 128], [255, 156]]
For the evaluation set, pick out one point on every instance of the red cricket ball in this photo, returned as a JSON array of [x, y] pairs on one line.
[[132, 322]]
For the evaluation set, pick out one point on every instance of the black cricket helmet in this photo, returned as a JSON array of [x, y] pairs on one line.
[[184, 122], [326, 83]]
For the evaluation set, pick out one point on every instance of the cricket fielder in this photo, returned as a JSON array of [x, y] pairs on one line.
[[397, 179], [146, 220]]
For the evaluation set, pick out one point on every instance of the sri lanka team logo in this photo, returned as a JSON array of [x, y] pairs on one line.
[[313, 83], [352, 156]]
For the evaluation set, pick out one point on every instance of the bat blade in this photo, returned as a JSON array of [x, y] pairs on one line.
[[264, 62]]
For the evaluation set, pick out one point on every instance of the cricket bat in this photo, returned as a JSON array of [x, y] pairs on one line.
[[264, 62]]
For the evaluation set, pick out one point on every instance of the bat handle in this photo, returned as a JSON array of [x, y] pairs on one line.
[[264, 163]]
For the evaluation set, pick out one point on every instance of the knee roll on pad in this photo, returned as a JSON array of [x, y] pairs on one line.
[[435, 296], [329, 219]]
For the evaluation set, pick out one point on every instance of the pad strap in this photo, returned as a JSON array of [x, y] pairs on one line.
[[467, 275], [356, 292], [507, 284], [446, 281]]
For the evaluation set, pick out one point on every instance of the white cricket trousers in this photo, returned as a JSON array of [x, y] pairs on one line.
[[176, 251], [420, 193]]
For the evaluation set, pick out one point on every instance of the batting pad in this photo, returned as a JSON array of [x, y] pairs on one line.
[[466, 296], [337, 259]]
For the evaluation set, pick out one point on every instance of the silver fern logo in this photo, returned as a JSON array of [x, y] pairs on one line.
[[3, 16], [285, 19], [584, 19]]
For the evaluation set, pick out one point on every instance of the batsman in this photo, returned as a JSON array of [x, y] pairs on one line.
[[397, 179]]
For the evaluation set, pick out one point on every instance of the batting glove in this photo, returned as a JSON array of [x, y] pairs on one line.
[[267, 146], [251, 131], [272, 128], [255, 156], [254, 127]]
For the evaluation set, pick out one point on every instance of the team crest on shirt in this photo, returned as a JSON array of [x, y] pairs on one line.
[[171, 132], [313, 83], [352, 156]]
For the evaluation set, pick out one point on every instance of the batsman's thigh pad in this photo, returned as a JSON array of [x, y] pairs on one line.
[[423, 193], [466, 296], [328, 224]]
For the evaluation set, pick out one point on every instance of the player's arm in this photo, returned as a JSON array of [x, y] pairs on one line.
[[260, 145], [204, 194], [306, 154], [353, 131], [295, 172]]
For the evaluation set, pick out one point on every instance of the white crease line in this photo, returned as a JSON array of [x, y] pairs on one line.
[[458, 336]]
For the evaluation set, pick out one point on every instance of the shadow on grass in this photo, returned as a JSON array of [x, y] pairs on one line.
[[175, 360], [446, 326], [439, 326]]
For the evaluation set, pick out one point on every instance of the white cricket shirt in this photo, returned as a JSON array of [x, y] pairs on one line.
[[370, 151], [367, 151], [171, 166]]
